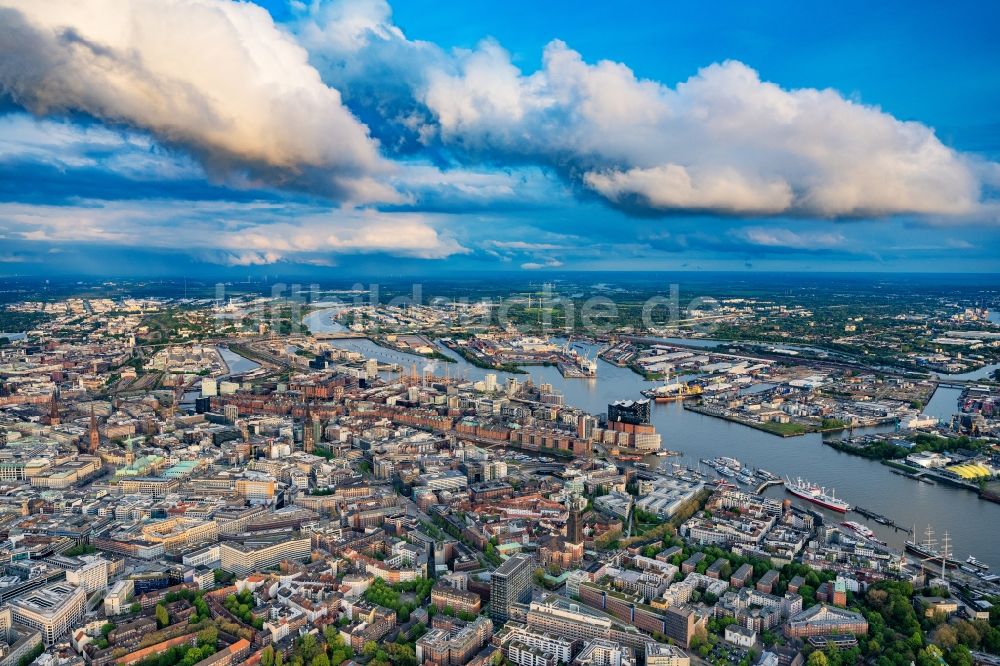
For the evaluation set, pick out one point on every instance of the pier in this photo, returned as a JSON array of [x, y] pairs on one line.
[[339, 335], [767, 484], [882, 520], [915, 477]]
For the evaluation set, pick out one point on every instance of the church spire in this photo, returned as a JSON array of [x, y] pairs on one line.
[[95, 435], [308, 431], [54, 408]]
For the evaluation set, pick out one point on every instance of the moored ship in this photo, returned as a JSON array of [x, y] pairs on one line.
[[860, 530], [930, 554], [982, 566], [928, 551], [816, 494], [668, 392], [672, 392]]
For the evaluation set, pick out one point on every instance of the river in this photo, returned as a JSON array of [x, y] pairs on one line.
[[943, 404], [969, 521], [237, 364], [321, 321], [982, 373]]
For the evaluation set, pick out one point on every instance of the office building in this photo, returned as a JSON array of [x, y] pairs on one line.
[[823, 620], [658, 654], [510, 584], [258, 489], [525, 655], [119, 597], [567, 619], [603, 652], [91, 575], [260, 554], [531, 648], [679, 624], [445, 596], [454, 646], [153, 486], [52, 610]]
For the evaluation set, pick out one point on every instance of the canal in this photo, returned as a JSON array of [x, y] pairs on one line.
[[237, 364]]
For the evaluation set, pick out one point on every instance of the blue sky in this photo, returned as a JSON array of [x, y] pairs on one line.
[[423, 137]]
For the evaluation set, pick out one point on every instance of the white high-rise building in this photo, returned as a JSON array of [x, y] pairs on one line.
[[490, 382], [92, 575], [209, 388]]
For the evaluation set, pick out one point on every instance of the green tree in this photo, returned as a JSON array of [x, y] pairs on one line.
[[267, 656], [370, 648], [320, 660], [162, 617], [968, 634], [332, 638], [401, 654], [817, 658], [959, 656], [208, 636], [945, 637], [308, 647], [930, 656]]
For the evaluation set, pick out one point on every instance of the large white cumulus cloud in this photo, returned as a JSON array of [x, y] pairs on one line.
[[722, 141], [215, 77], [339, 102]]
